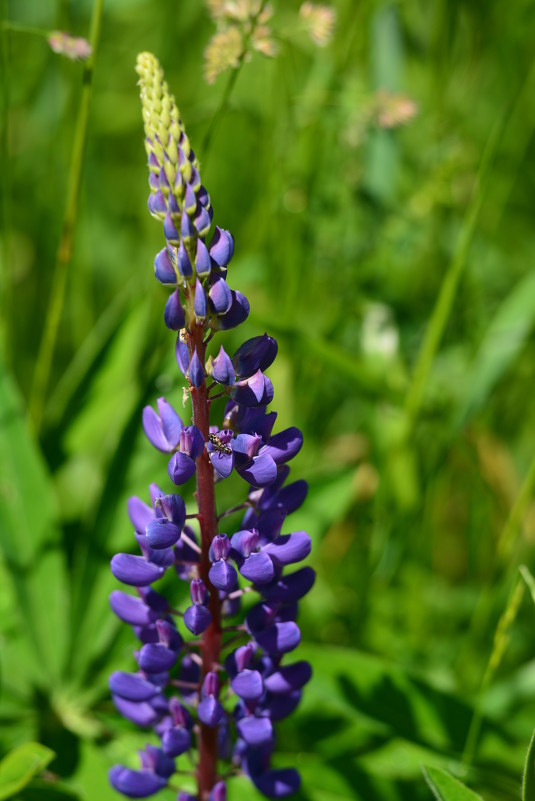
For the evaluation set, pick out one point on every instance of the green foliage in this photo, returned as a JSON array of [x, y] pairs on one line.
[[446, 788], [19, 767], [352, 216]]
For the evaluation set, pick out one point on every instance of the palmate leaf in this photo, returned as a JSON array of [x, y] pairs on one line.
[[528, 783], [446, 788], [21, 765]]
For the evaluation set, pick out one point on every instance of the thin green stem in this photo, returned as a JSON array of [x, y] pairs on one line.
[[65, 248], [448, 290], [501, 639], [6, 185], [13, 26], [231, 82], [513, 525]]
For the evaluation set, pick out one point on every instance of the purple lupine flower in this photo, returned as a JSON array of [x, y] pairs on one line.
[[233, 684]]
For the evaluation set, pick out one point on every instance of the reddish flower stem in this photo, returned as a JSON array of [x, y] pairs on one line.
[[211, 639]]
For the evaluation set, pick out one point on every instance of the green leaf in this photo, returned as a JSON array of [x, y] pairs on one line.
[[39, 790], [21, 765], [446, 788], [528, 783]]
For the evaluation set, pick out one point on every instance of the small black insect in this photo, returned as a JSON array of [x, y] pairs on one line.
[[218, 445]]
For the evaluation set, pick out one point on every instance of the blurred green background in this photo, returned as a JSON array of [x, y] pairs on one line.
[[381, 192]]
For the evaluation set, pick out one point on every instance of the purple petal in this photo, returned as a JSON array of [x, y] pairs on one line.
[[293, 495], [289, 548], [255, 354], [220, 296], [183, 262], [135, 570], [142, 713], [261, 472], [254, 391], [135, 783], [131, 609], [156, 657], [221, 246], [140, 513], [187, 231], [191, 442], [197, 618], [182, 355], [288, 678], [161, 533], [222, 463], [255, 731], [292, 587], [176, 741], [157, 204], [278, 783], [223, 576], [278, 638], [258, 568], [200, 303], [236, 315], [202, 261], [248, 685], [174, 316], [196, 372], [247, 445], [132, 686], [155, 759], [219, 792], [152, 426], [180, 468], [284, 445], [220, 547], [222, 369], [202, 220], [190, 200], [172, 425], [280, 706], [164, 269], [210, 711], [169, 229], [174, 508]]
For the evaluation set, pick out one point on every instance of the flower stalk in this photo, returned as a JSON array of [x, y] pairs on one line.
[[225, 688]]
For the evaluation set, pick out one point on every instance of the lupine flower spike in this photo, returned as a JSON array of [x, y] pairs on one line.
[[211, 692]]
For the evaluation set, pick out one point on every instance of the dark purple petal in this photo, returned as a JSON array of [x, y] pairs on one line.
[[255, 354], [131, 609], [283, 446], [190, 200], [258, 568], [164, 269], [132, 686], [289, 548], [221, 368], [220, 547], [197, 618], [176, 741], [245, 542], [155, 759], [169, 635], [221, 246], [219, 792], [157, 205], [220, 296], [182, 355], [135, 570], [236, 315], [222, 462], [156, 657], [174, 508], [187, 231], [169, 229], [210, 711], [293, 495], [174, 316], [135, 783], [202, 221], [261, 472], [292, 587], [254, 391], [183, 262], [280, 706], [191, 442], [152, 426], [200, 302], [195, 371], [202, 261], [198, 591], [158, 603], [255, 731], [223, 576], [288, 678], [140, 513], [172, 425], [161, 533], [247, 445], [180, 468], [278, 783], [248, 685], [142, 713], [278, 638]]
